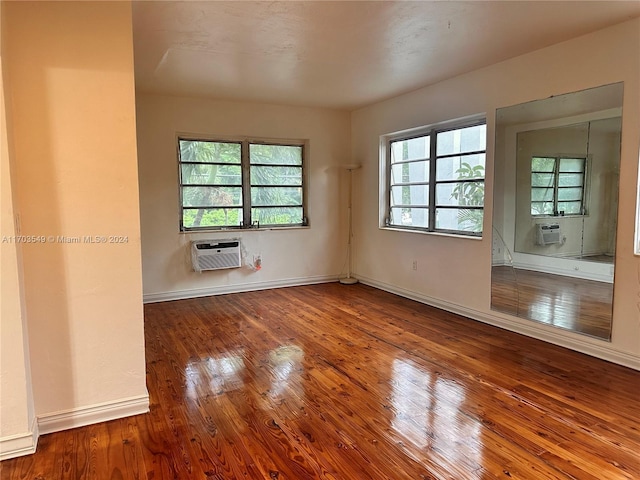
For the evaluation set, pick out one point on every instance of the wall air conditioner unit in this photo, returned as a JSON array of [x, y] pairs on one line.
[[547, 233], [215, 254]]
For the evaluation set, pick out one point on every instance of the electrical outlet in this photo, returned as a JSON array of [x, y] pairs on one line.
[[415, 265]]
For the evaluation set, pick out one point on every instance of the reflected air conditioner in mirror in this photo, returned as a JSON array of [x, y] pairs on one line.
[[548, 233]]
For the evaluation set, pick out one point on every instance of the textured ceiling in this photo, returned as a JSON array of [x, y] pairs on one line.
[[342, 54]]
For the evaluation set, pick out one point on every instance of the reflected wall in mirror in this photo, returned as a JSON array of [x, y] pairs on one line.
[[555, 209]]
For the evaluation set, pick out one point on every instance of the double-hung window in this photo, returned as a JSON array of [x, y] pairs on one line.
[[240, 184], [435, 179], [557, 185]]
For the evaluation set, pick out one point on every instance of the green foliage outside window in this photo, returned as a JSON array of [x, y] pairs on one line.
[[212, 184], [470, 194]]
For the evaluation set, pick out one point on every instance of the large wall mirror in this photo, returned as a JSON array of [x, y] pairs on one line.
[[556, 208]]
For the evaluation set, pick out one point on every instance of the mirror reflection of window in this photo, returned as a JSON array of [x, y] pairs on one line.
[[557, 186]]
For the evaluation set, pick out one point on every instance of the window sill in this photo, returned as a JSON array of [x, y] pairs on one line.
[[242, 230], [553, 217], [437, 234]]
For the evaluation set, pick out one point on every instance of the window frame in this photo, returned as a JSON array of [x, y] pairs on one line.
[[245, 185], [431, 131], [556, 185]]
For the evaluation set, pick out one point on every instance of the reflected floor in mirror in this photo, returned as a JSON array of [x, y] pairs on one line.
[[574, 304], [350, 382]]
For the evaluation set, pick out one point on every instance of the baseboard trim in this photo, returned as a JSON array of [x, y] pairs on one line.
[[244, 287], [580, 343], [21, 444], [102, 412], [596, 277]]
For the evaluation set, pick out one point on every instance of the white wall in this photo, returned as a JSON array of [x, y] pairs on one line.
[[17, 416], [70, 76], [289, 256], [455, 272]]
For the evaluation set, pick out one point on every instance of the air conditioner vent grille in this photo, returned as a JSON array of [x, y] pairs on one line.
[[215, 254]]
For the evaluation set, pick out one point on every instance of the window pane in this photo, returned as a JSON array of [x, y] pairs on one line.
[[275, 154], [570, 194], [277, 216], [570, 179], [541, 208], [410, 217], [410, 195], [274, 196], [570, 208], [458, 168], [542, 194], [466, 220], [276, 175], [572, 164], [542, 180], [211, 196], [469, 139], [543, 164], [412, 149], [410, 172], [204, 151], [206, 174], [211, 217], [460, 194]]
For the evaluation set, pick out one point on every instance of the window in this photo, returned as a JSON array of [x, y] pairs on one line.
[[436, 179], [557, 185], [240, 184]]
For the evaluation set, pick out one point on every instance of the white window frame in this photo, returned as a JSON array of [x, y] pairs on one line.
[[386, 177], [246, 184]]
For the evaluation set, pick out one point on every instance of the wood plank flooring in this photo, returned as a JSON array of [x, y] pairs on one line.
[[583, 306], [349, 382]]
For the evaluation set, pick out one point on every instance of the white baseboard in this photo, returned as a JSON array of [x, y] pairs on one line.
[[573, 341], [597, 277], [244, 287], [103, 412], [14, 446]]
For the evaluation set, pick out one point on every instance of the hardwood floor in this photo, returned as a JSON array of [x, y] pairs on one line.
[[583, 306], [349, 382]]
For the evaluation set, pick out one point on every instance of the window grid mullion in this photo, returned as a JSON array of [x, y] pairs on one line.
[[556, 182], [409, 184], [274, 165], [413, 160], [461, 180], [289, 185], [212, 163], [432, 180], [293, 205], [411, 205], [217, 185], [463, 154], [246, 185], [388, 190], [223, 207]]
